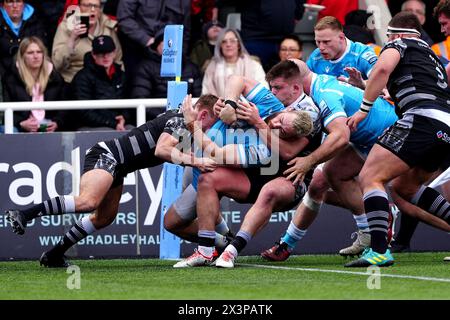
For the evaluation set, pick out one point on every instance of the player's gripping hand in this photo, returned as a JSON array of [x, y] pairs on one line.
[[205, 164], [298, 170], [218, 106], [189, 112], [355, 119], [249, 112]]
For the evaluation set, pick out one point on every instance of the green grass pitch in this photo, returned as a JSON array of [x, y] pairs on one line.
[[414, 276]]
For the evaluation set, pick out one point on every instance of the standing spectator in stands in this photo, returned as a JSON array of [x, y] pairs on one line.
[[17, 20], [73, 39], [49, 12], [202, 12], [356, 29], [337, 9], [110, 8], [419, 9], [140, 20], [148, 82], [442, 13], [203, 49], [100, 79], [230, 58], [265, 22], [32, 77]]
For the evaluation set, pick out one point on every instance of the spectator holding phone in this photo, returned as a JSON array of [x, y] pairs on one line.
[[75, 34]]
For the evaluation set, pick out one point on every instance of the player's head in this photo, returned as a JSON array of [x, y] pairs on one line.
[[285, 80], [291, 123], [206, 114], [403, 24], [442, 14], [330, 38]]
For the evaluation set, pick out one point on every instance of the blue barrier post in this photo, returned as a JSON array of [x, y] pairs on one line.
[[169, 247]]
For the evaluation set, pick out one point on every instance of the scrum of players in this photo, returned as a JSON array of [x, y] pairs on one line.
[[317, 135]]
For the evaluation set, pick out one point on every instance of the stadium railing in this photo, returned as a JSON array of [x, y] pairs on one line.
[[139, 104]]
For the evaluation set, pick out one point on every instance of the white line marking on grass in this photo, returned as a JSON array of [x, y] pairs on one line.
[[347, 272]]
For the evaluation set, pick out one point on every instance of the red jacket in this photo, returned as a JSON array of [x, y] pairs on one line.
[[338, 9]]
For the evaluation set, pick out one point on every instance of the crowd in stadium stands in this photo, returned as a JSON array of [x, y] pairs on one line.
[[211, 51]]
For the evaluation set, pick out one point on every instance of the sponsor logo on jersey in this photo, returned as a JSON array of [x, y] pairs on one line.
[[443, 136]]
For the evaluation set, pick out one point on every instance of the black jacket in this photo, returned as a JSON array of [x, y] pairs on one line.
[[9, 42], [14, 90], [148, 82], [93, 83], [268, 20]]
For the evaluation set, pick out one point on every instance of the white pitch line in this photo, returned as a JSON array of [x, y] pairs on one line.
[[347, 272]]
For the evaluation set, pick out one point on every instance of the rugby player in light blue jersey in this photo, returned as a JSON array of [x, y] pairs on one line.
[[338, 56], [344, 152], [244, 185]]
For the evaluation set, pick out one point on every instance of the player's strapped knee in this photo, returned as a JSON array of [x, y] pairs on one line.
[[311, 203], [432, 201]]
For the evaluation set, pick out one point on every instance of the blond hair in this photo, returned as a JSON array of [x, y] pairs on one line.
[[302, 123], [329, 22], [24, 71]]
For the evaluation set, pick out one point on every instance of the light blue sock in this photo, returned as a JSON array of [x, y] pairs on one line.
[[292, 235], [222, 227], [361, 222]]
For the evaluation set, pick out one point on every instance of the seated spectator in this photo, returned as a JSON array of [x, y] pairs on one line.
[[99, 79], [291, 47], [33, 78], [73, 39], [49, 12], [202, 12], [230, 57], [17, 21], [203, 49], [148, 82], [356, 29]]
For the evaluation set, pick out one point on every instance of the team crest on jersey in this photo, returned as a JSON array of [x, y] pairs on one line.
[[370, 57]]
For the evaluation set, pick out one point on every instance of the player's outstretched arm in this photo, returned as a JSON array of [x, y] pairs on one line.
[[377, 81], [167, 149]]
